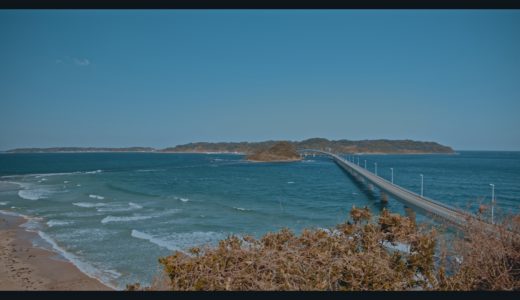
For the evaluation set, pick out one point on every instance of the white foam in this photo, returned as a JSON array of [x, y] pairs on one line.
[[13, 214], [157, 241], [66, 181], [241, 209], [52, 223], [96, 197], [109, 219], [42, 175], [88, 269], [119, 208], [34, 194], [184, 199], [135, 217], [49, 174], [32, 224], [290, 182], [79, 214], [180, 241], [94, 172], [78, 184], [4, 202], [88, 204], [114, 209], [135, 206]]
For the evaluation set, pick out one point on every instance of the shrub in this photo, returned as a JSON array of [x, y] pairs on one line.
[[357, 255]]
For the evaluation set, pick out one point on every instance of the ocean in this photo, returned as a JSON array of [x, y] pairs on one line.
[[114, 214]]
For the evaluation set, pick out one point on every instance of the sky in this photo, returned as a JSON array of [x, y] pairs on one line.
[[159, 78]]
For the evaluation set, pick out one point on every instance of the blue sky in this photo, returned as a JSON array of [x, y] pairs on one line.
[[161, 78]]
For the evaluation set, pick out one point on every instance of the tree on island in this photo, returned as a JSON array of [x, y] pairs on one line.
[[281, 151]]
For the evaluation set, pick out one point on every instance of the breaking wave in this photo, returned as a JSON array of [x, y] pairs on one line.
[[88, 204], [109, 219], [52, 223], [180, 241], [34, 194]]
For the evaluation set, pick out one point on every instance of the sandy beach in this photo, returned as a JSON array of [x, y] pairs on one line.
[[24, 267]]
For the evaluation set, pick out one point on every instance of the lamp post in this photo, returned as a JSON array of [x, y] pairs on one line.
[[492, 202], [422, 184], [358, 161], [392, 169], [375, 164], [365, 164]]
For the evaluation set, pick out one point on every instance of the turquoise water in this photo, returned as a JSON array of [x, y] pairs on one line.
[[114, 214]]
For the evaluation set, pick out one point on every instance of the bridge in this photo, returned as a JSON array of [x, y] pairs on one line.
[[409, 198]]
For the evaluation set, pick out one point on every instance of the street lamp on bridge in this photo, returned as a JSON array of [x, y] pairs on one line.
[[375, 164], [365, 163], [392, 169]]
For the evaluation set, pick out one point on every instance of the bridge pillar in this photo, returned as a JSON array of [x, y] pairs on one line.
[[384, 197], [410, 213]]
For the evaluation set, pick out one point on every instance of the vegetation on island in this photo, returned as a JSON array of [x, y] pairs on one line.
[[390, 252], [339, 146], [281, 151]]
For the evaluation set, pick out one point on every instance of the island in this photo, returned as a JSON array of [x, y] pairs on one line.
[[380, 146], [279, 152]]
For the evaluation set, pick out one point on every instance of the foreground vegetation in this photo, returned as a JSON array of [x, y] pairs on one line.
[[389, 252]]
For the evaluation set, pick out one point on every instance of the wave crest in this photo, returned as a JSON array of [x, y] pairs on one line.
[[88, 204]]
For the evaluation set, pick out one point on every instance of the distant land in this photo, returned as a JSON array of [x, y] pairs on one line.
[[80, 149], [381, 146], [279, 152]]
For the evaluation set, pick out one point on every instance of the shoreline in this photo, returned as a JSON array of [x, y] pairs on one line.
[[25, 267]]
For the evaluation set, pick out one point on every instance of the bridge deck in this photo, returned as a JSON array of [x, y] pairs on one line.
[[431, 206]]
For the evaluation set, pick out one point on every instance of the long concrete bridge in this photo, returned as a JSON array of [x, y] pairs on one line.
[[430, 206]]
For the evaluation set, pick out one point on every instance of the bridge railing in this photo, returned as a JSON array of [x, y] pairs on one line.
[[447, 206], [361, 170]]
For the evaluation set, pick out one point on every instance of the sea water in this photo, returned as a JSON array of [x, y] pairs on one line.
[[114, 214]]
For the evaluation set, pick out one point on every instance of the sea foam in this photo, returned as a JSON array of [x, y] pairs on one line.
[[109, 219], [88, 204], [96, 197], [241, 209], [52, 223], [180, 241], [33, 195], [134, 206], [102, 276], [151, 239], [135, 217]]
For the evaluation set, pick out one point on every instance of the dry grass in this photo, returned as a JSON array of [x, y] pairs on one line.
[[354, 256]]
